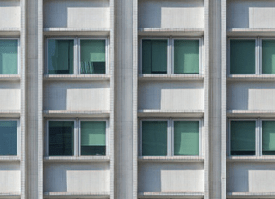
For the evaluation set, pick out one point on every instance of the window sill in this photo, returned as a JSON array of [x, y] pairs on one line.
[[9, 158], [171, 77], [253, 158], [250, 194], [76, 195], [171, 31], [250, 31], [79, 77], [10, 113], [10, 195], [171, 194], [249, 113], [66, 114], [249, 77], [170, 159], [11, 77], [76, 159], [10, 31], [163, 113], [77, 31]]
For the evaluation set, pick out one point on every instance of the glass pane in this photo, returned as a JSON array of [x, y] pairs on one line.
[[242, 57], [186, 138], [8, 56], [154, 138], [186, 56], [268, 131], [268, 55], [243, 137], [92, 56], [93, 138], [60, 56], [8, 138], [154, 56], [61, 138]]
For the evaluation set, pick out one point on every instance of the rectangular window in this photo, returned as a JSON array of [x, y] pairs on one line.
[[93, 138], [268, 137], [242, 56], [60, 56], [8, 56], [243, 137], [186, 56], [61, 138], [268, 56], [154, 56], [8, 137], [92, 53]]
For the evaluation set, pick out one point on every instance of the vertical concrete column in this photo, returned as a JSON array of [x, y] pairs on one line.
[[123, 106]]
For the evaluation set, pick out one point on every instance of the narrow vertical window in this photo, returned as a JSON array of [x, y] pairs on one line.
[[60, 56], [243, 137], [8, 56], [268, 57], [92, 53], [242, 56], [268, 134], [8, 138], [93, 138], [186, 57], [154, 56], [154, 138], [186, 138], [61, 138]]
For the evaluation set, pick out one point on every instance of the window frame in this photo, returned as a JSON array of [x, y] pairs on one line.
[[170, 136], [261, 136], [18, 53]]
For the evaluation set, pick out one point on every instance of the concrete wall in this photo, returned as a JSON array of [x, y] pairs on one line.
[[10, 177], [77, 96], [76, 177], [76, 14], [172, 96], [10, 96], [171, 177], [10, 14], [171, 14], [251, 14]]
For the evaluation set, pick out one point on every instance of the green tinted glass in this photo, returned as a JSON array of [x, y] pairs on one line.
[[268, 133], [186, 138], [268, 57], [243, 137], [242, 56], [92, 56], [8, 56], [60, 56], [61, 136], [154, 138], [93, 138], [154, 56], [186, 56], [8, 138]]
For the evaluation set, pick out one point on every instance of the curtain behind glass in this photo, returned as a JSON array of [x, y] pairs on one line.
[[60, 56], [154, 56], [243, 137], [268, 57], [61, 136], [186, 138], [92, 56], [93, 138], [242, 56], [268, 133], [8, 56], [154, 138], [8, 138], [186, 56]]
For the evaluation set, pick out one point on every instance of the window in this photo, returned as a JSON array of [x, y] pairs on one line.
[[76, 56], [171, 56], [252, 137], [8, 137], [76, 137], [9, 56], [252, 56], [170, 137]]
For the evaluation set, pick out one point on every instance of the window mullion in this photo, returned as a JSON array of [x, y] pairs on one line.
[[260, 138], [76, 137], [257, 136], [75, 53], [169, 138]]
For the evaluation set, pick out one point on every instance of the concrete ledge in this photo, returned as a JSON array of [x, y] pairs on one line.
[[75, 195], [260, 159], [250, 32], [77, 159], [9, 159], [13, 114], [263, 77], [249, 114], [10, 77], [10, 195], [170, 159], [173, 77], [171, 194], [65, 113], [171, 31], [161, 113], [76, 31], [76, 77], [9, 32], [250, 195]]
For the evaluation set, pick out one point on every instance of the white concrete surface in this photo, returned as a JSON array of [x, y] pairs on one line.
[[10, 14], [10, 96], [10, 177]]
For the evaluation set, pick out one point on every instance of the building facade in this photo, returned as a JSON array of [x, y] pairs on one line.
[[122, 99]]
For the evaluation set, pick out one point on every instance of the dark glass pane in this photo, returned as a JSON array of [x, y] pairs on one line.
[[8, 56], [8, 138], [268, 134]]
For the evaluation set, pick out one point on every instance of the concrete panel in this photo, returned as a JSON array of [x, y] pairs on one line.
[[10, 14], [247, 177], [251, 14], [76, 14], [77, 96], [251, 96], [171, 177], [171, 14], [10, 180], [76, 177], [10, 96], [172, 96]]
